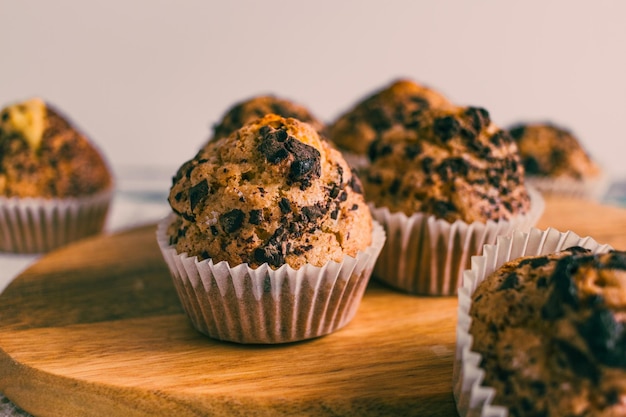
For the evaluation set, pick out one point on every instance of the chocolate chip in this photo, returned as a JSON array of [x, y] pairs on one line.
[[542, 282], [270, 254], [306, 164], [577, 361], [354, 207], [184, 171], [564, 291], [355, 184], [479, 117], [334, 214], [378, 149], [578, 250], [411, 150], [535, 262], [281, 135], [343, 196], [178, 196], [614, 260], [272, 145], [452, 167], [442, 208], [188, 217], [538, 387], [427, 165], [446, 127], [531, 165], [500, 138], [378, 119], [510, 282], [479, 149], [395, 186], [232, 220], [312, 213], [334, 191], [256, 217], [198, 193], [285, 205], [214, 230], [605, 337], [374, 179], [517, 132]]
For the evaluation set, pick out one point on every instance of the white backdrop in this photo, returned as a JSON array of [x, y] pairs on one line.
[[147, 78]]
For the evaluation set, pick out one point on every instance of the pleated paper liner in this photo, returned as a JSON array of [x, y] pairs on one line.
[[37, 225], [245, 305], [426, 256], [473, 399], [589, 188]]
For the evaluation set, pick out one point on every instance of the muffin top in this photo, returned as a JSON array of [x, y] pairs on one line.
[[273, 192], [551, 330], [551, 151], [454, 164], [43, 155], [395, 107], [257, 107]]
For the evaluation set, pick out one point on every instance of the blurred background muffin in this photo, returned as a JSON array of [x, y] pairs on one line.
[[256, 107], [55, 186], [395, 107], [556, 162], [281, 207], [443, 188]]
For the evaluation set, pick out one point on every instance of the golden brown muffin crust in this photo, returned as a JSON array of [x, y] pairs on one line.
[[454, 164], [397, 105], [259, 106], [63, 164], [551, 151], [551, 330], [273, 192]]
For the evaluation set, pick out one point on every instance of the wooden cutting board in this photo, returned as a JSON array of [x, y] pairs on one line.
[[95, 329]]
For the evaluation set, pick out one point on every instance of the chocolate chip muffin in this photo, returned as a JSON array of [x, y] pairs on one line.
[[456, 165], [43, 155], [272, 192], [55, 186], [550, 330], [551, 151], [271, 240], [396, 107], [256, 107], [442, 189]]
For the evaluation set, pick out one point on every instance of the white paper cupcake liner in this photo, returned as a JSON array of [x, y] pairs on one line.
[[471, 398], [262, 305], [590, 189], [425, 255], [37, 225]]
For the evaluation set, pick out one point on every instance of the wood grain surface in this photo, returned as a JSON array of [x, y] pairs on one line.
[[95, 329]]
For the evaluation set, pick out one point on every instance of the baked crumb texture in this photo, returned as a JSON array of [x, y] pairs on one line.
[[256, 107], [551, 333], [43, 155], [452, 163], [395, 107], [551, 151], [271, 192]]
